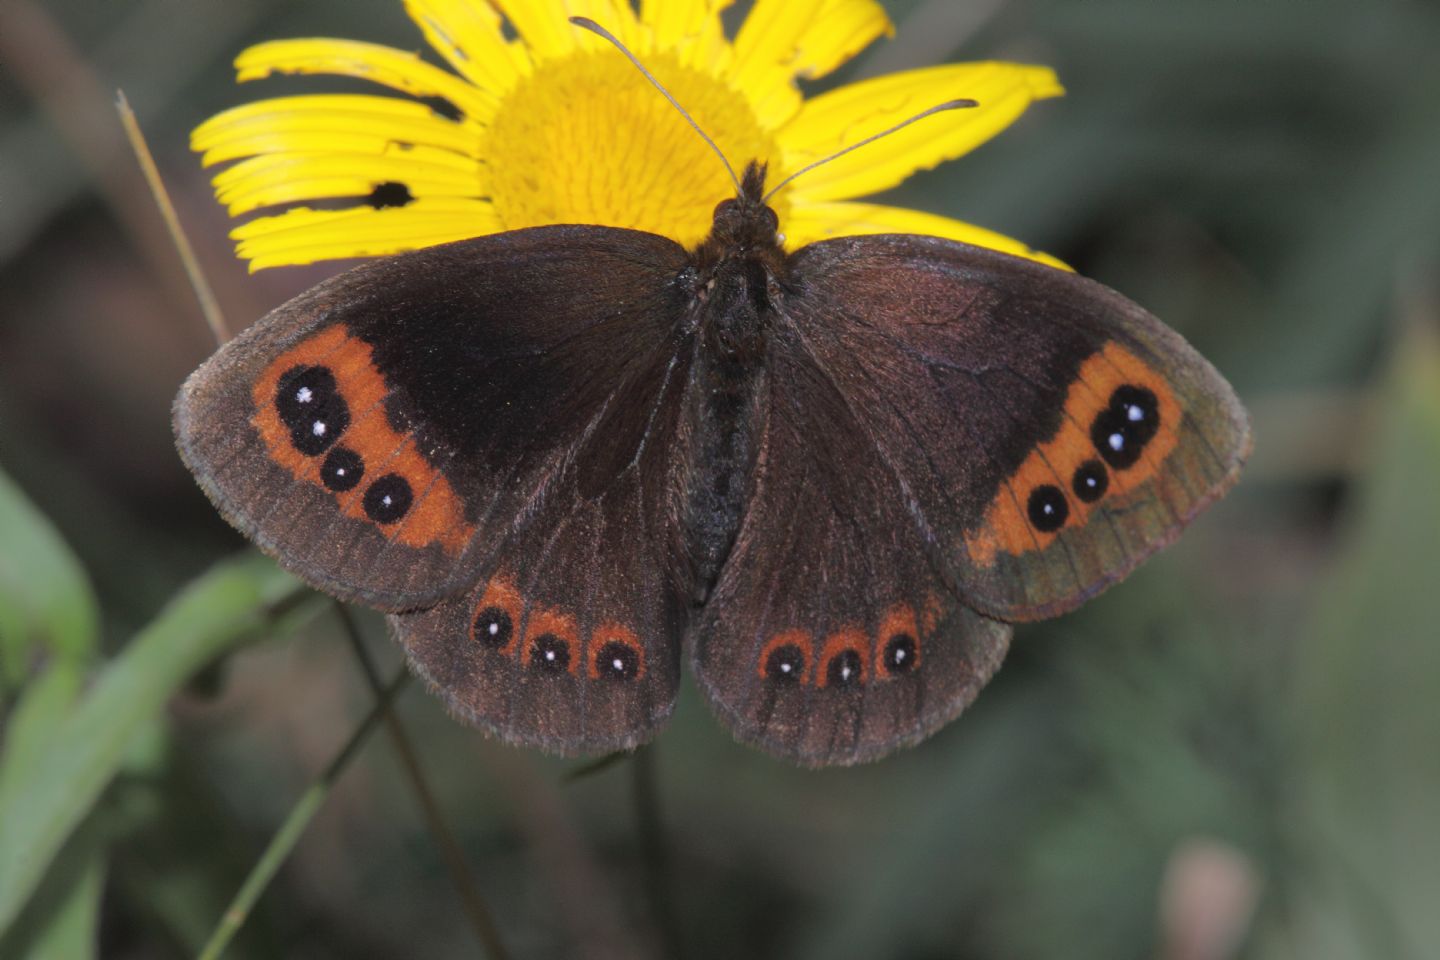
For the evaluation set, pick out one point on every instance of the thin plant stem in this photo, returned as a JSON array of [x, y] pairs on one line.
[[480, 915], [654, 853], [209, 306], [285, 839]]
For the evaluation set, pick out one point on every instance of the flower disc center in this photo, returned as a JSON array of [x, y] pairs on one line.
[[587, 139]]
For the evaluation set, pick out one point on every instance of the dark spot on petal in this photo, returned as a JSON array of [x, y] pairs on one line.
[[391, 193], [1047, 508], [444, 107]]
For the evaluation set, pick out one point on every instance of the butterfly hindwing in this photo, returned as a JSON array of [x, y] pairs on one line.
[[384, 434], [1049, 433], [829, 637], [572, 642]]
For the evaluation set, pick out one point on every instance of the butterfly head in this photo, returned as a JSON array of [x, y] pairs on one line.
[[745, 224]]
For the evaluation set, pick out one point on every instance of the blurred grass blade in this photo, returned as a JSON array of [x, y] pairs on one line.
[[290, 832], [63, 920], [45, 597], [233, 602], [1370, 684], [75, 931]]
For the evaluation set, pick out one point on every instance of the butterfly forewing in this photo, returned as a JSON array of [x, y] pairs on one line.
[[1050, 433], [384, 434]]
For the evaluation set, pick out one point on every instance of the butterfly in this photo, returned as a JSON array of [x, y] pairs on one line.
[[563, 458]]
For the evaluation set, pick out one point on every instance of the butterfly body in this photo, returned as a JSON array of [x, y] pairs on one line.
[[562, 456]]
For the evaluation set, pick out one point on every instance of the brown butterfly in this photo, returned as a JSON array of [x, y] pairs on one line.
[[561, 456]]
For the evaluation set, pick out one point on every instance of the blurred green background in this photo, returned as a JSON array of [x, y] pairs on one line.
[[1234, 754]]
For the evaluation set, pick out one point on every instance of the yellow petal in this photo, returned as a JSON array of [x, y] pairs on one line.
[[368, 61], [843, 29], [783, 39], [468, 35], [810, 222], [305, 236], [545, 26], [847, 115], [344, 123], [290, 177], [689, 29]]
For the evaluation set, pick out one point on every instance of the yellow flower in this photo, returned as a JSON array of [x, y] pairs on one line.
[[542, 122]]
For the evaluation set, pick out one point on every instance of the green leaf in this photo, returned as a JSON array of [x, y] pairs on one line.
[[234, 602], [63, 920], [46, 603]]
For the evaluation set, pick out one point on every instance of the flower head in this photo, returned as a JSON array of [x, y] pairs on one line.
[[540, 122]]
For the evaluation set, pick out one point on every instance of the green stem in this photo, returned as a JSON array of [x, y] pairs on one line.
[[294, 826], [475, 908], [654, 853]]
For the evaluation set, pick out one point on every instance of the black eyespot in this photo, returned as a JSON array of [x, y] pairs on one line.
[[550, 654], [388, 499], [310, 404], [390, 194], [493, 627], [1047, 508], [1091, 480], [1121, 431], [342, 469], [900, 653], [618, 661], [786, 663], [843, 669], [301, 391]]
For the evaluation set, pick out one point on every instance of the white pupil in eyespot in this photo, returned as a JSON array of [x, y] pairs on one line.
[[1117, 441], [319, 428], [618, 664], [494, 628], [1134, 413], [386, 500], [549, 654], [900, 655], [303, 395]]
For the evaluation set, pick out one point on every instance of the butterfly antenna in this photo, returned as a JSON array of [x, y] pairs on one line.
[[938, 108], [600, 31]]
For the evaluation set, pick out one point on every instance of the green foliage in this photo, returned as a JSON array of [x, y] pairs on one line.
[[62, 748]]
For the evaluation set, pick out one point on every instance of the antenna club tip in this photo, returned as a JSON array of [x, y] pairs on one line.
[[960, 104]]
